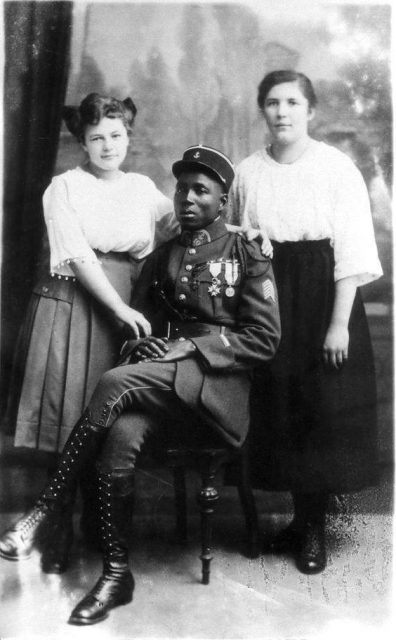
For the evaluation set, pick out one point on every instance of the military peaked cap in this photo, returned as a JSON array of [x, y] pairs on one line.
[[201, 157]]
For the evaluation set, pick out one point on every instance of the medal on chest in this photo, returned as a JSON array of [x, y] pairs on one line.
[[230, 276], [215, 270]]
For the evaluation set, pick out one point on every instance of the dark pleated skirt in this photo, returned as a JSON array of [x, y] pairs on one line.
[[313, 428], [67, 341]]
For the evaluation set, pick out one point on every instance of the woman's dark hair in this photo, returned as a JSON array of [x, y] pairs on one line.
[[95, 107], [286, 75]]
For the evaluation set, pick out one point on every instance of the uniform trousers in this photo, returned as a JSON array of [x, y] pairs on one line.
[[135, 401]]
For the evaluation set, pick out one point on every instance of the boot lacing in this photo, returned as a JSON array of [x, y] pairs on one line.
[[71, 456], [105, 507], [25, 525]]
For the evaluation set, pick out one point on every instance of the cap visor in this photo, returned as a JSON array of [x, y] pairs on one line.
[[183, 165]]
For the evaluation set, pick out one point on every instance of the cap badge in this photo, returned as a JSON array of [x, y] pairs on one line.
[[196, 154]]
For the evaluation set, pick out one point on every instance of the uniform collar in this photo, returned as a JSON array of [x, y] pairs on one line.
[[203, 236]]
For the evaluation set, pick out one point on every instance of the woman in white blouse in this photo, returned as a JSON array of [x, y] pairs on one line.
[[101, 221], [314, 430]]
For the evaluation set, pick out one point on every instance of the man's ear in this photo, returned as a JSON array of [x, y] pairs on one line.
[[223, 200]]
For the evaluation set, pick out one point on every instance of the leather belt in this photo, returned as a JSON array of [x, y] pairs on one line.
[[191, 329]]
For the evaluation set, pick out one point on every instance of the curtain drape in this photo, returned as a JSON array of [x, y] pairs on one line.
[[37, 45]]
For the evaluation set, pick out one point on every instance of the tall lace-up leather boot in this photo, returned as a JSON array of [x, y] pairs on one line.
[[17, 542], [116, 584]]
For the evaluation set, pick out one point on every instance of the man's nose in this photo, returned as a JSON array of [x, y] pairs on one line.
[[189, 195]]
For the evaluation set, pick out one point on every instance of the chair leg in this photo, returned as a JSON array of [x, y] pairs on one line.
[[207, 497], [249, 508], [179, 481]]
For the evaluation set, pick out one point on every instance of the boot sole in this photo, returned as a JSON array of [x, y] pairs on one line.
[[311, 571], [81, 622]]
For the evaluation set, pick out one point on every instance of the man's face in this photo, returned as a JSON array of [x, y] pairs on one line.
[[198, 200]]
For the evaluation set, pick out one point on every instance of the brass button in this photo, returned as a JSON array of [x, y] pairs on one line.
[[45, 289], [182, 297], [192, 251], [188, 267], [184, 279]]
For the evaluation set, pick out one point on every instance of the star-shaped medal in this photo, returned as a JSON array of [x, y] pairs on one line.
[[214, 289]]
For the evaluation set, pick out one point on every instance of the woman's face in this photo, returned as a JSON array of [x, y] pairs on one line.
[[106, 144], [287, 113]]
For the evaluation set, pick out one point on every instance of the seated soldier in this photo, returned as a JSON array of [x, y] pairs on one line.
[[211, 300]]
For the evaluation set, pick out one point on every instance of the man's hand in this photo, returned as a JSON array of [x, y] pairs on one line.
[[163, 350], [133, 351], [151, 348]]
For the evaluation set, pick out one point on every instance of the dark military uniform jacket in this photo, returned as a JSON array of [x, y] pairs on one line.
[[214, 288]]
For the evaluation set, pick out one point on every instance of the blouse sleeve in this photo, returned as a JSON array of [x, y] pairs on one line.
[[66, 237], [355, 249]]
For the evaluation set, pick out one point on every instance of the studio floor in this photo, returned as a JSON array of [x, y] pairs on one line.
[[246, 599]]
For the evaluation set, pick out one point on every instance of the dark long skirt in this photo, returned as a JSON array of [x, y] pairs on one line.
[[313, 427], [67, 342]]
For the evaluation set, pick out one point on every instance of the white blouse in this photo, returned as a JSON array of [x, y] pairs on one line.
[[83, 213], [320, 195]]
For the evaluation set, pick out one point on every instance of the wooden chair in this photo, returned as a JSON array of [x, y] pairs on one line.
[[207, 461]]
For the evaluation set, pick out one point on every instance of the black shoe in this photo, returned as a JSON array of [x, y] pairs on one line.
[[55, 555], [17, 542], [312, 556], [109, 592], [286, 541]]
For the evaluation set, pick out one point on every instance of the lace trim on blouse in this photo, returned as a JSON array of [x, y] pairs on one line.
[[81, 259]]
